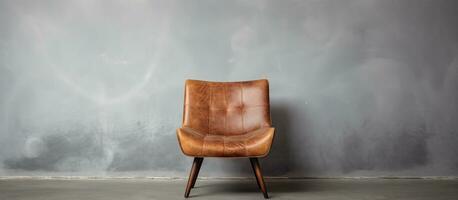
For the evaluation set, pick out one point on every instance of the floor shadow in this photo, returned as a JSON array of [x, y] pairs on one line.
[[222, 187], [274, 186]]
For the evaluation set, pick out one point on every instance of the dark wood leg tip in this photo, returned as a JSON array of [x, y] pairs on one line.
[[197, 163], [259, 178]]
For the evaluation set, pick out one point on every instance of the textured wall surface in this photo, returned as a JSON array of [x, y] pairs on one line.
[[358, 87]]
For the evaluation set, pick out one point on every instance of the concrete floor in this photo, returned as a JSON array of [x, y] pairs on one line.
[[136, 189]]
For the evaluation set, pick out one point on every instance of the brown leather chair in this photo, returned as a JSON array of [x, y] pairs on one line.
[[226, 119]]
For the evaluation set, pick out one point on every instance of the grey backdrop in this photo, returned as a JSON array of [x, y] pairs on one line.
[[358, 87]]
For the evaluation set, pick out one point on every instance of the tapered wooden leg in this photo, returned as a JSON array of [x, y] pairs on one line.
[[199, 164], [258, 174], [192, 175]]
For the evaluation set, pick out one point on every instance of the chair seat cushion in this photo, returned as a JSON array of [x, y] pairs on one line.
[[255, 143]]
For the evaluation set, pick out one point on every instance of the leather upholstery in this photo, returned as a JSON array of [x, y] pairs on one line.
[[226, 119]]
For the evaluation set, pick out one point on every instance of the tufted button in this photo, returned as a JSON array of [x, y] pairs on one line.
[[241, 110]]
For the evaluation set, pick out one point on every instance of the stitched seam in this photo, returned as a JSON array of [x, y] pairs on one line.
[[225, 119], [241, 101], [225, 113], [244, 147], [224, 146], [203, 145], [209, 105]]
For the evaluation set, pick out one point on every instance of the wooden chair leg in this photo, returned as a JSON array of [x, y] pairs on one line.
[[199, 164], [192, 175], [258, 174]]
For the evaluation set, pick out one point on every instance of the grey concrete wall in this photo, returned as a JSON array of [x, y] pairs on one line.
[[358, 87]]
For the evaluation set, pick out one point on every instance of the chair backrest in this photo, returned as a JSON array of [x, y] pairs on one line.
[[226, 108]]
